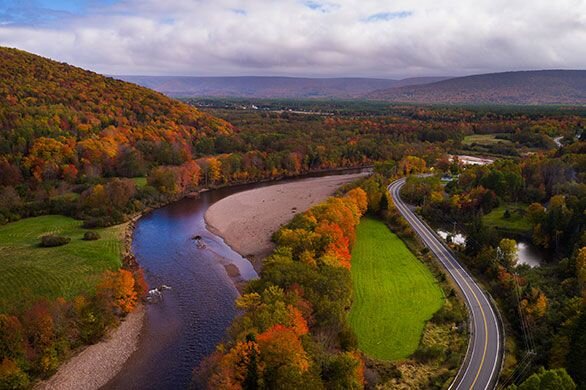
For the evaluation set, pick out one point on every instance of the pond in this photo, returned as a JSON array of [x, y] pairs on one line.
[[527, 252]]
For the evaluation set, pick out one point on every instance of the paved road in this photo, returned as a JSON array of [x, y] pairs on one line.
[[481, 367]]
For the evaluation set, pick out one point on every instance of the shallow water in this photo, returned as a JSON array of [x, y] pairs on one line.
[[196, 312]]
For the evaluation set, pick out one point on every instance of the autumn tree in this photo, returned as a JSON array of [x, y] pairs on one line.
[[12, 338], [40, 330], [118, 290], [164, 179], [411, 165], [12, 376], [581, 271], [284, 357], [360, 198], [508, 252], [557, 379]]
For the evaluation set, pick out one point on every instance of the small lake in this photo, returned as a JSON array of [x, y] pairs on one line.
[[195, 314], [527, 252]]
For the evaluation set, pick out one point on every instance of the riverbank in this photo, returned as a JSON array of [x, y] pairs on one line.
[[97, 364], [247, 220]]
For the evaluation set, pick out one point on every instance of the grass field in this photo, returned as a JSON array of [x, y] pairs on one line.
[[28, 271], [394, 293], [517, 222], [484, 139], [140, 181]]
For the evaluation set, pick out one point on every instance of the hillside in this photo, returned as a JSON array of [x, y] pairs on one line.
[[270, 87], [529, 87], [55, 117]]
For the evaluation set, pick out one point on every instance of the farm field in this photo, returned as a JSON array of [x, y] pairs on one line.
[[394, 293], [28, 271], [484, 139], [517, 221]]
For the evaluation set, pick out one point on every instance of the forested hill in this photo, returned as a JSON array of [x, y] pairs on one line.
[[529, 87], [53, 114], [270, 87]]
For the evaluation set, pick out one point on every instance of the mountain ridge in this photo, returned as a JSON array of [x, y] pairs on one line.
[[270, 86], [531, 87]]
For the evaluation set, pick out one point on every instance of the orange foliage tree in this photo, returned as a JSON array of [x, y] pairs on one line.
[[118, 289]]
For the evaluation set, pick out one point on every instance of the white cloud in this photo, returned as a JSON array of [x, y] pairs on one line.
[[314, 38]]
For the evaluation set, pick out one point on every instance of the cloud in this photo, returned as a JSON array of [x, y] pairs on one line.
[[297, 37]]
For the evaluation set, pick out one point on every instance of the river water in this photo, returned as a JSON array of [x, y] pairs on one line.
[[196, 312]]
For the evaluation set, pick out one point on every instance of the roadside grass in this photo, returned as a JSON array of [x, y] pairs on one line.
[[517, 222], [394, 293], [484, 139], [29, 272], [140, 181]]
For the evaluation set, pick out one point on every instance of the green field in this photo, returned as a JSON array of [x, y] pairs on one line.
[[484, 139], [28, 271], [517, 222], [394, 293], [140, 181]]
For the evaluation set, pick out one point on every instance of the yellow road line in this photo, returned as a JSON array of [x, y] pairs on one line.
[[438, 247]]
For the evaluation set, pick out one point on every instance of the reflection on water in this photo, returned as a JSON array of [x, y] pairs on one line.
[[193, 317], [529, 254]]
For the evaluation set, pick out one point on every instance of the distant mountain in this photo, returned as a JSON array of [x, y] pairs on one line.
[[527, 87], [270, 87]]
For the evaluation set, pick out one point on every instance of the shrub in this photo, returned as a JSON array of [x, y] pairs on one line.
[[96, 222], [11, 376], [426, 354], [51, 240], [91, 236], [449, 314], [348, 339]]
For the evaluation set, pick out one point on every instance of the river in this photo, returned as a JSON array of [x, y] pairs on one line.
[[196, 312]]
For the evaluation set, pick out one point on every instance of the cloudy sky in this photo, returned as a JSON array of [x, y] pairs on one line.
[[372, 38]]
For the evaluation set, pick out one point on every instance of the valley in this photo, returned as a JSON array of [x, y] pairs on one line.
[[279, 237]]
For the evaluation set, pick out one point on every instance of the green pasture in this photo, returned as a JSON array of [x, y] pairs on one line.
[[28, 271], [517, 221], [394, 293], [484, 139]]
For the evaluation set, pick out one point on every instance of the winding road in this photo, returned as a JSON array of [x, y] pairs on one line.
[[481, 366]]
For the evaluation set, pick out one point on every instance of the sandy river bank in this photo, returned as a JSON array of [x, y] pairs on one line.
[[98, 363], [247, 220]]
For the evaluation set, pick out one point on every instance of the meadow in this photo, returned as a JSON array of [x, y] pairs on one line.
[[484, 139], [28, 271], [517, 222], [394, 293]]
